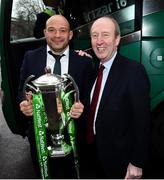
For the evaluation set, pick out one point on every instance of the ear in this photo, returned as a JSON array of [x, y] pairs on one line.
[[44, 31], [117, 40], [70, 35]]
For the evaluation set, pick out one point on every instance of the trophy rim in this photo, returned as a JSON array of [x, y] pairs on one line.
[[48, 80]]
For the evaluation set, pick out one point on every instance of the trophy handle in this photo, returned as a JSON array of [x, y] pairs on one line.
[[77, 94], [31, 87]]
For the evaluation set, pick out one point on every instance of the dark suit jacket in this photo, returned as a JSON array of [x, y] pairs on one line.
[[123, 118]]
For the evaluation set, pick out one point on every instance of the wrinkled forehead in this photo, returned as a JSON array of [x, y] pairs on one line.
[[103, 24]]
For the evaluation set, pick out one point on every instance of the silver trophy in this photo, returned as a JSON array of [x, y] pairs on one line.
[[51, 87]]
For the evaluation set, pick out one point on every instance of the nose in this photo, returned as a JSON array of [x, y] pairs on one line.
[[99, 40], [57, 33]]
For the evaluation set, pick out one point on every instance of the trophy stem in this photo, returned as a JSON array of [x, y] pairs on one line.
[[59, 148]]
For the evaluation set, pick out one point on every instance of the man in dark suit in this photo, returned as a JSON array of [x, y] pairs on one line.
[[120, 122], [57, 34]]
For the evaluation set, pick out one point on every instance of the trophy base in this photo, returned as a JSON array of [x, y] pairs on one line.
[[60, 151]]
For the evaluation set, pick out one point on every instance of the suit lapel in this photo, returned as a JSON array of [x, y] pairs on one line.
[[71, 64], [94, 73], [42, 56]]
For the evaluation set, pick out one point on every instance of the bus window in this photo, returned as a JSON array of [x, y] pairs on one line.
[[123, 11], [89, 10], [23, 18]]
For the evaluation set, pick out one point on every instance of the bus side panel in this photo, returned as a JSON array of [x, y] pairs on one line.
[[131, 50], [153, 25], [153, 53]]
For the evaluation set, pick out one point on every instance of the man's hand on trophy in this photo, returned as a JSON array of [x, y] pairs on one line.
[[26, 105], [76, 110]]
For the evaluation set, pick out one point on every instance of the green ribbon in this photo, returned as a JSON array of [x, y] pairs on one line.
[[66, 100], [40, 120]]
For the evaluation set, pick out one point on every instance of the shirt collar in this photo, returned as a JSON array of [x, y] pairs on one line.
[[66, 52], [109, 63]]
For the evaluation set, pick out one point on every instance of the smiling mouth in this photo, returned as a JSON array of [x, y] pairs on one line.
[[100, 49], [58, 42]]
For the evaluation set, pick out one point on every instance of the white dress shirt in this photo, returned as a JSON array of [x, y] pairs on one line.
[[64, 61]]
